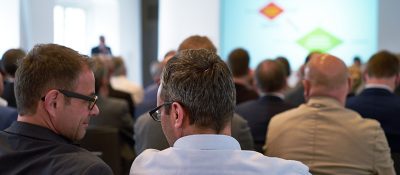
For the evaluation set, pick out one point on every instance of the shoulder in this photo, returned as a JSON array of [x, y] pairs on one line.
[[281, 166]]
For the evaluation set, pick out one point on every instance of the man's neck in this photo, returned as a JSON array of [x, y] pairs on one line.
[[386, 83]]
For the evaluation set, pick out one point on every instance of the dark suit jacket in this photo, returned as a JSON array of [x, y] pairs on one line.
[[258, 113], [148, 134], [96, 50], [7, 116], [8, 94], [32, 149], [244, 94], [114, 113], [384, 106], [123, 95]]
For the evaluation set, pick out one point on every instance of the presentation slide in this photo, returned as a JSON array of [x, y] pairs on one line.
[[293, 28]]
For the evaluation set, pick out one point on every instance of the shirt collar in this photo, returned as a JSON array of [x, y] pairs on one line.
[[380, 86], [207, 142], [275, 94], [35, 131]]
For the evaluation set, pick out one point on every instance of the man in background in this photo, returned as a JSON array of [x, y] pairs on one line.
[[270, 78], [378, 101], [102, 48], [322, 133]]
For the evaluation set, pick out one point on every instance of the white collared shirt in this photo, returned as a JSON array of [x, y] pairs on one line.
[[380, 86], [211, 154]]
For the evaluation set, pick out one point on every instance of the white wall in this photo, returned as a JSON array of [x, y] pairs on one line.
[[179, 19], [36, 22], [9, 22], [389, 25]]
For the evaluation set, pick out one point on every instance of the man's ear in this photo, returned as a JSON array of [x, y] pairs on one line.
[[51, 102], [178, 114]]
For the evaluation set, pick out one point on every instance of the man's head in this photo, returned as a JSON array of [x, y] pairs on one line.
[[326, 75], [102, 40], [56, 84], [284, 61], [10, 60], [197, 42], [238, 62], [119, 66], [270, 76], [200, 88], [383, 67]]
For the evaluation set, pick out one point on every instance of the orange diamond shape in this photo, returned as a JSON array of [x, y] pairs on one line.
[[271, 10]]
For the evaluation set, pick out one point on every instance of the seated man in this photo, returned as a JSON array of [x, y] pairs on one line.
[[196, 101], [270, 77], [378, 101], [324, 135], [54, 88]]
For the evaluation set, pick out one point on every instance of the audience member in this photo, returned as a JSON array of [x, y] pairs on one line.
[[10, 61], [295, 96], [324, 135], [114, 113], [270, 78], [286, 65], [120, 81], [150, 92], [355, 71], [7, 114], [113, 92], [377, 100], [238, 62], [197, 42], [144, 125], [196, 101], [54, 88], [102, 48]]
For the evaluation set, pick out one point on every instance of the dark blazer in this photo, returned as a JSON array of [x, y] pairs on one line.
[[114, 113], [258, 113], [8, 94], [97, 50], [32, 149], [123, 95], [244, 94], [148, 134], [384, 106], [7, 116]]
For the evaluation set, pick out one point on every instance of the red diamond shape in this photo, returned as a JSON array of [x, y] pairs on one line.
[[271, 10]]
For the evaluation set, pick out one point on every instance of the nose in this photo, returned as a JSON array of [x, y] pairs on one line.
[[95, 111]]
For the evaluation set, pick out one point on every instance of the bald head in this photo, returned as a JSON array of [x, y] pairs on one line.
[[326, 75], [270, 76]]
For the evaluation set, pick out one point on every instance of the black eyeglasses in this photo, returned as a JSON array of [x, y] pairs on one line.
[[92, 100], [156, 113]]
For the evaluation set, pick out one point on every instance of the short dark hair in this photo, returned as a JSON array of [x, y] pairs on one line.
[[46, 67], [238, 61], [10, 60], [270, 76], [203, 84], [284, 61], [197, 42], [382, 65]]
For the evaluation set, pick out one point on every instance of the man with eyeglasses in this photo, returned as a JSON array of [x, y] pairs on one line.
[[54, 89], [196, 100]]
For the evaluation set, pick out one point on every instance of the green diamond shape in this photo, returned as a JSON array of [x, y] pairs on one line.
[[319, 40]]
